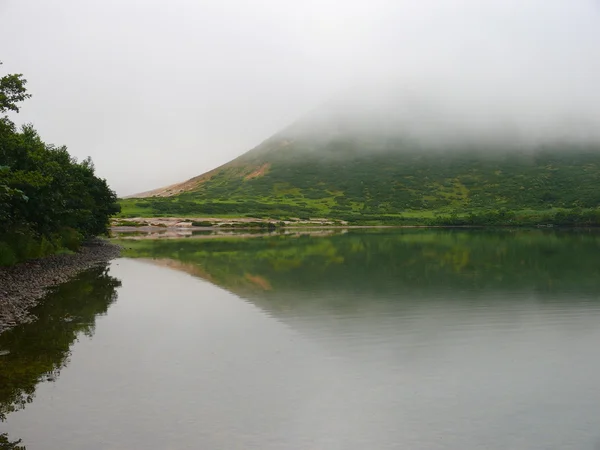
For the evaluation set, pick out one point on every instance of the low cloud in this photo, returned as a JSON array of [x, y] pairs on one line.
[[157, 92]]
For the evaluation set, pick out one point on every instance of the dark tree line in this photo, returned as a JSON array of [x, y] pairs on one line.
[[48, 200]]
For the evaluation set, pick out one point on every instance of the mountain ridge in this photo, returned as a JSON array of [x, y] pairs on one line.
[[337, 163]]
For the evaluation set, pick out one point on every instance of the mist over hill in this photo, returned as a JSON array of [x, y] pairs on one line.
[[442, 115], [391, 151]]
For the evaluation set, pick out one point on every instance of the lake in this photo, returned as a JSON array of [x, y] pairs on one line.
[[389, 339]]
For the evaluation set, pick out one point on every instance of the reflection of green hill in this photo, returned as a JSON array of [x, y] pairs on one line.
[[400, 262], [39, 350]]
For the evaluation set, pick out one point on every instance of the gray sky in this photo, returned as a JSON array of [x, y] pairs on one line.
[[159, 91]]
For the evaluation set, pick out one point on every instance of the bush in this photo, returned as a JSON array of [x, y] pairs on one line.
[[7, 255], [17, 247], [202, 223], [129, 223], [70, 238]]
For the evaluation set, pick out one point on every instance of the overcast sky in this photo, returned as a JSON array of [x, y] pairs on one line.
[[159, 91]]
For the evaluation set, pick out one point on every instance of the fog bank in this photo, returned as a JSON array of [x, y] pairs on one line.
[[157, 92]]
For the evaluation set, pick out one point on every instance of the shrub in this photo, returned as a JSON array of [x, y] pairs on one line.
[[70, 238], [7, 255], [202, 223]]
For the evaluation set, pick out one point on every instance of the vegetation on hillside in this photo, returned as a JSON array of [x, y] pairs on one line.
[[48, 200], [363, 183]]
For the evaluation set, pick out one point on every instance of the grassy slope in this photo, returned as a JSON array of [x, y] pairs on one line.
[[342, 164], [339, 179]]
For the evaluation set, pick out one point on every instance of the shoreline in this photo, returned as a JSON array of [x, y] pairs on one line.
[[22, 286], [150, 228], [159, 229]]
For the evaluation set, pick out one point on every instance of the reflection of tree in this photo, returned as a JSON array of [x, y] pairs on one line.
[[39, 350]]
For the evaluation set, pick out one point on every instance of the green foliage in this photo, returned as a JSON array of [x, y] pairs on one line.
[[69, 238], [8, 256], [18, 246], [202, 223], [6, 444], [12, 91], [399, 184], [47, 198], [128, 223]]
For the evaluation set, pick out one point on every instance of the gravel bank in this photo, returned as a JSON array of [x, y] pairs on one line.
[[22, 286]]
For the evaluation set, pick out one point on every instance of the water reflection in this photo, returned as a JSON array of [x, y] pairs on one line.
[[435, 339], [37, 352], [407, 263]]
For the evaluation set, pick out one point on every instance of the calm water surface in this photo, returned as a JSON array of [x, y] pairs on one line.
[[391, 340]]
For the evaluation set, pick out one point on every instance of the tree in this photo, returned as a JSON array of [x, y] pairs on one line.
[[12, 91], [48, 200]]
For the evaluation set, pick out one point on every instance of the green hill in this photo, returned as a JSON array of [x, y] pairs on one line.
[[328, 165]]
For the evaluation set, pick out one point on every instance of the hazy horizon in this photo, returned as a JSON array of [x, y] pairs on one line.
[[157, 93]]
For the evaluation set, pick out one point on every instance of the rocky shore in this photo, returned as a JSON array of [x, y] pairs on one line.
[[22, 286]]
